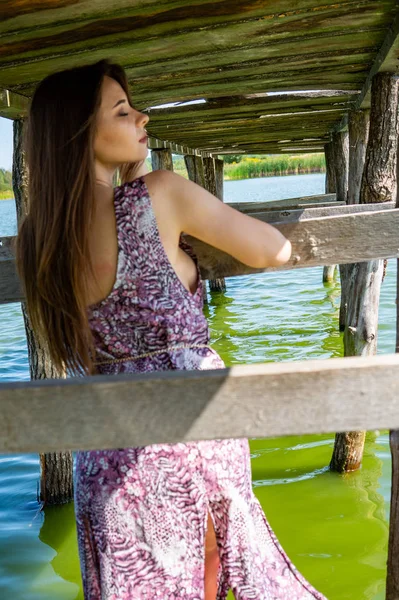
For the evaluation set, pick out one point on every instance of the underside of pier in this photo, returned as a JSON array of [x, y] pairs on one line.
[[244, 76]]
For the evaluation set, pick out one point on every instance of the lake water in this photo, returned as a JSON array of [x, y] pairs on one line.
[[334, 528]]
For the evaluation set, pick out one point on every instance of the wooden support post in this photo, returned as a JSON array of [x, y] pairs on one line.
[[340, 155], [362, 281], [195, 168], [330, 188], [392, 583], [340, 142], [358, 125], [219, 175], [212, 184], [56, 480], [358, 137], [162, 159], [195, 171]]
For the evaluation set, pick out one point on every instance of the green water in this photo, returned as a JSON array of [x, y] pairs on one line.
[[333, 527]]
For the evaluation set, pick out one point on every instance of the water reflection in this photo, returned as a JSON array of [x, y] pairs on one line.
[[59, 532]]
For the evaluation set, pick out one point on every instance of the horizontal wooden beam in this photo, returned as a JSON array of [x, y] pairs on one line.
[[325, 241], [245, 401], [332, 210], [157, 144], [176, 52], [337, 239], [287, 202]]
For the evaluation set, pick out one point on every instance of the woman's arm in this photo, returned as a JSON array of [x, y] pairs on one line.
[[202, 215]]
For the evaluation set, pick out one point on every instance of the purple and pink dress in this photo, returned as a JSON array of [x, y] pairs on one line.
[[142, 512]]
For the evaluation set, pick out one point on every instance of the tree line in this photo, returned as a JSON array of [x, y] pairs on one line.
[[5, 180], [5, 184]]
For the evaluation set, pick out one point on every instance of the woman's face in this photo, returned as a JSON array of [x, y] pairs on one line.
[[120, 133]]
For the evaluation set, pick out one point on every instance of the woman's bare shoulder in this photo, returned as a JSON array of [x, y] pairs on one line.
[[161, 179]]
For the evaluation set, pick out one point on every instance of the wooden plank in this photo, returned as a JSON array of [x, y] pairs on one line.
[[245, 401], [251, 106], [302, 214], [158, 144], [272, 39], [317, 242], [185, 52], [293, 202], [339, 239]]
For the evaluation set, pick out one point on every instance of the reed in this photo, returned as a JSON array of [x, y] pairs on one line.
[[275, 165]]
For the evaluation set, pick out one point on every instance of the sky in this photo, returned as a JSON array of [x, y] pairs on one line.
[[5, 143]]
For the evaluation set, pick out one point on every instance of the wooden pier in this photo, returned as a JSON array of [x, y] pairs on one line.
[[237, 78]]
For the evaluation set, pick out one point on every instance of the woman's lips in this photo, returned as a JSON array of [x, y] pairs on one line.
[[143, 140]]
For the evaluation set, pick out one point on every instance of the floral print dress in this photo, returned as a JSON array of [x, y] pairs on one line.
[[142, 512]]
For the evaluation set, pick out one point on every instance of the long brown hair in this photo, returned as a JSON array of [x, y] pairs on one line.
[[52, 247]]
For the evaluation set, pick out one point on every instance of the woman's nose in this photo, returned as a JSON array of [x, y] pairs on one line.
[[142, 119]]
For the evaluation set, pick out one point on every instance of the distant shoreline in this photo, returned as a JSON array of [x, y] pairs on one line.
[[226, 177]]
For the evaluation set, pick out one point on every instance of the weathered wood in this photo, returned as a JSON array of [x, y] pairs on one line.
[[260, 46], [379, 174], [56, 478], [378, 184], [282, 204], [277, 205], [213, 186], [361, 282], [328, 273], [359, 123], [385, 61], [270, 399], [330, 185], [340, 142], [316, 242], [330, 188], [348, 451], [162, 159], [195, 171], [157, 144], [332, 210], [358, 137], [392, 581], [219, 176], [392, 586], [220, 111]]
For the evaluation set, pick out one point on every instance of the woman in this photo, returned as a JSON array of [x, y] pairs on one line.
[[111, 288]]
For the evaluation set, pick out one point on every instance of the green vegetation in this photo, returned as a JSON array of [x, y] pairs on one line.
[[5, 185], [236, 166], [245, 167], [275, 164]]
